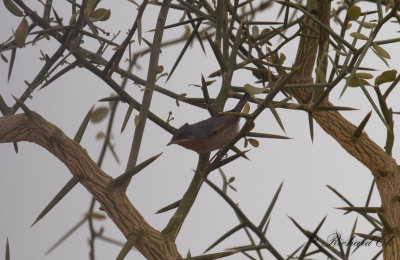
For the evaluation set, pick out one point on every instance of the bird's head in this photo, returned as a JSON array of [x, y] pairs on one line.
[[182, 135]]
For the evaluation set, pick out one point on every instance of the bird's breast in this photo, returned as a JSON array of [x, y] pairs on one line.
[[214, 142]]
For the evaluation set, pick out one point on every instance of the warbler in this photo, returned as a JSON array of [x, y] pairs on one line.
[[210, 134]]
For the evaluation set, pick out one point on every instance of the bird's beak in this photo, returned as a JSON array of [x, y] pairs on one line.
[[172, 142]]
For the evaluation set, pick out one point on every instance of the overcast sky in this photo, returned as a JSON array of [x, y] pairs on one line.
[[32, 177]]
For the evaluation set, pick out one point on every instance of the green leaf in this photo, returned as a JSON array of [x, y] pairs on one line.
[[246, 108], [354, 12], [388, 6], [13, 8], [73, 17], [367, 25], [4, 58], [254, 31], [282, 57], [382, 58], [100, 14], [364, 75], [99, 114], [253, 90], [253, 142], [160, 69], [100, 135], [354, 83], [21, 33], [338, 52], [91, 4], [265, 31], [381, 51], [260, 74], [386, 76], [359, 36]]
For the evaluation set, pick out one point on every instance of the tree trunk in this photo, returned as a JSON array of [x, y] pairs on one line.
[[381, 164]]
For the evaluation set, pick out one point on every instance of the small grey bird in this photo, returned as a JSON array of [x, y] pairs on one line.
[[210, 134]]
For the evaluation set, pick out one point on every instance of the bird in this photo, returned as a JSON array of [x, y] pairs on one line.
[[212, 133]]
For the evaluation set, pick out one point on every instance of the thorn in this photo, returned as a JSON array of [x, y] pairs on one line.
[[169, 75], [169, 207], [362, 125], [131, 172], [34, 222], [15, 147]]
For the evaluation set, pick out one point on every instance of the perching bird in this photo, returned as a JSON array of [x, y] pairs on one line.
[[210, 134]]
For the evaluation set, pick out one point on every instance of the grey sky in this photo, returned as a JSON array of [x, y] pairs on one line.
[[32, 177]]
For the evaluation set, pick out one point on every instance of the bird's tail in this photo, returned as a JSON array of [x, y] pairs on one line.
[[241, 103]]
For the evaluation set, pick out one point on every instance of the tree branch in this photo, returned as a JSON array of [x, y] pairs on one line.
[[151, 243], [381, 164], [150, 85]]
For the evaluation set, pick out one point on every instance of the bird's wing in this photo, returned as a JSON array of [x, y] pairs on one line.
[[214, 125]]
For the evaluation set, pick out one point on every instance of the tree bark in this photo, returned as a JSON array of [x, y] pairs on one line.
[[382, 165], [150, 242]]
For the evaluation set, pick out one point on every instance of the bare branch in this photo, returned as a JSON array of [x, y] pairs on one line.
[[150, 242]]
